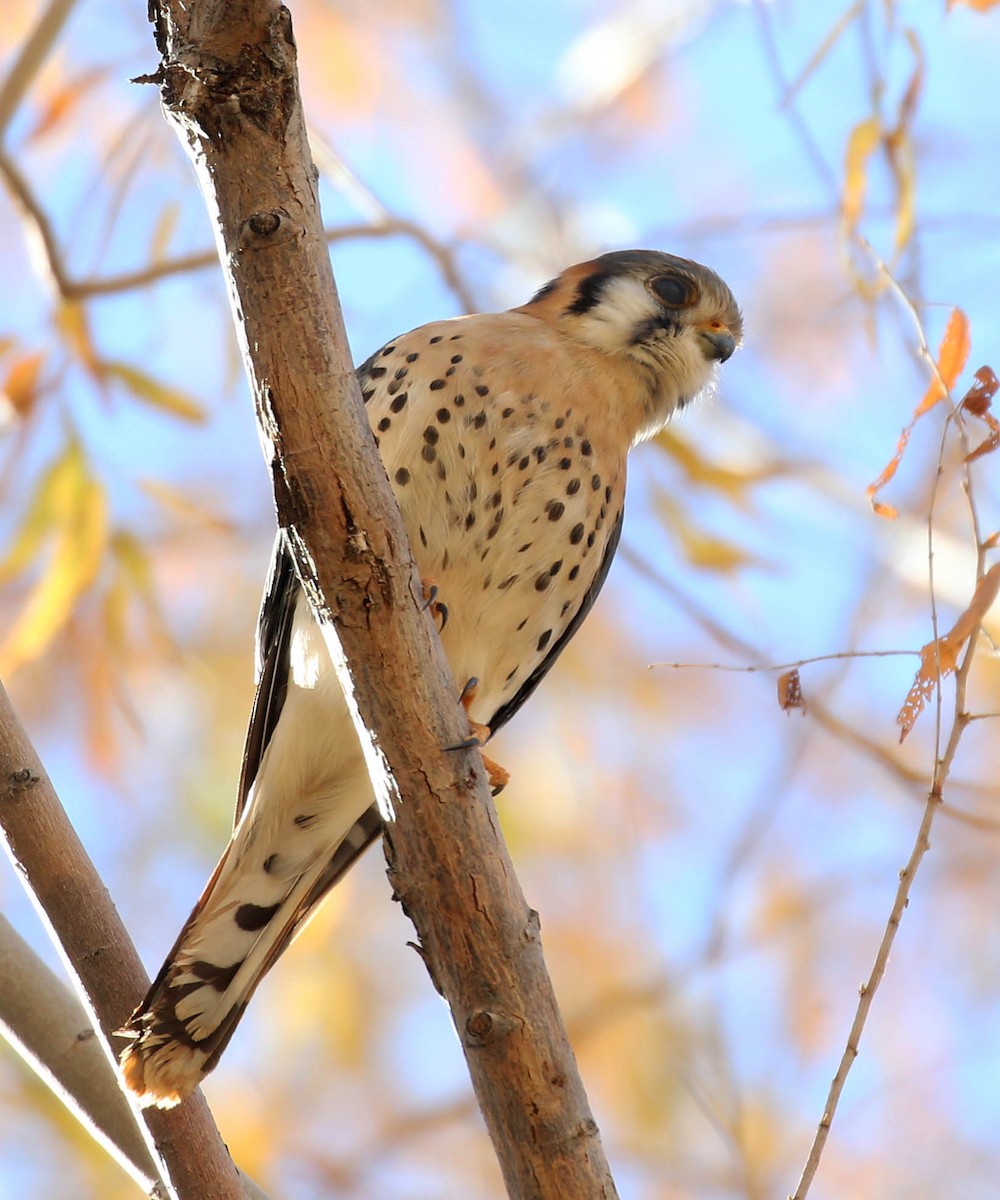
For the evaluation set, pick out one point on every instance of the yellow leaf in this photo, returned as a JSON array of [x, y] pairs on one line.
[[71, 321], [54, 495], [732, 482], [163, 231], [977, 5], [862, 143], [144, 387], [77, 558]]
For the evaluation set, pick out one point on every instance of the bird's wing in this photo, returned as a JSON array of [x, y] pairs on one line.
[[507, 710], [274, 627]]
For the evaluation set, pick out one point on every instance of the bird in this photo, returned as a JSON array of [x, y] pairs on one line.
[[504, 437]]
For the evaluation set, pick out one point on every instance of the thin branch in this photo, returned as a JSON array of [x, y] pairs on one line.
[[77, 911], [841, 655], [49, 257]]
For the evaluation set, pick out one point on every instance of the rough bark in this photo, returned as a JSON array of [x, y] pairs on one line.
[[104, 965], [229, 85]]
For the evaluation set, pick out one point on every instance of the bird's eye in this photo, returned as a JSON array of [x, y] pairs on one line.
[[674, 292]]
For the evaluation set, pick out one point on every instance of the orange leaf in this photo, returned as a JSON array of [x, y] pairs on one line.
[[976, 5], [952, 357], [939, 658], [20, 387]]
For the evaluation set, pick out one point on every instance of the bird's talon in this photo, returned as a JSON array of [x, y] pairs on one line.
[[438, 609]]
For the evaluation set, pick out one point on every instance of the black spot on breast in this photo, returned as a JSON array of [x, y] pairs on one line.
[[555, 509], [388, 349], [437, 338], [543, 641], [402, 476], [442, 474], [473, 490], [480, 420], [456, 358], [367, 395], [502, 587], [525, 621], [568, 443], [431, 435], [565, 608], [526, 546], [428, 454], [573, 572], [394, 386], [507, 412], [401, 373], [443, 415], [254, 916], [437, 385], [556, 567], [412, 357], [541, 583], [273, 858], [565, 463], [539, 453], [400, 402], [560, 422], [470, 520], [522, 465], [376, 372], [461, 450], [482, 389], [595, 482], [607, 495], [459, 401], [586, 448], [591, 538], [494, 501], [423, 537], [384, 424], [304, 820], [576, 533], [494, 470], [572, 487]]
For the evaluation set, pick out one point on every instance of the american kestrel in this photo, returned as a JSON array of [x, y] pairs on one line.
[[504, 436]]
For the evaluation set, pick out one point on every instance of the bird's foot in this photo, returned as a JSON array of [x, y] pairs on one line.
[[479, 735], [438, 609]]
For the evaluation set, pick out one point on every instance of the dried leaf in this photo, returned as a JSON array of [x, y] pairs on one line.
[[20, 386], [733, 482], [144, 387], [861, 145], [952, 356], [163, 231], [903, 163], [790, 692], [976, 5], [940, 658]]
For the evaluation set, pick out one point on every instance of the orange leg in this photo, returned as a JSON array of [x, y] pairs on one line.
[[498, 776]]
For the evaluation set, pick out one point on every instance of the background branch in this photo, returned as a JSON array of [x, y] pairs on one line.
[[103, 964]]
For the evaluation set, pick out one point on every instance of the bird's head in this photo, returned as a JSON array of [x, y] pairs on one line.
[[674, 319]]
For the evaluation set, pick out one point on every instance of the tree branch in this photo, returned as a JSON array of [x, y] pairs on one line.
[[101, 960], [229, 87]]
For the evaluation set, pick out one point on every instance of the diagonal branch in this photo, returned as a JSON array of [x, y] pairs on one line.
[[102, 962], [230, 88]]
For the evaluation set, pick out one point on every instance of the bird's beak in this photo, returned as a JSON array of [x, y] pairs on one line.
[[717, 342]]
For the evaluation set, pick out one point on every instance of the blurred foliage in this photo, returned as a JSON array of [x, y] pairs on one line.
[[713, 875]]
